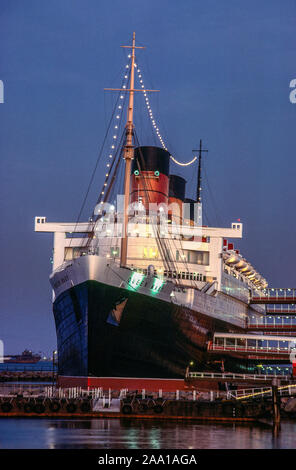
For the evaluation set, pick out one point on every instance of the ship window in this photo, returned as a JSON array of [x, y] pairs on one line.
[[77, 235], [196, 257], [219, 341], [150, 253], [114, 251], [241, 342], [230, 341]]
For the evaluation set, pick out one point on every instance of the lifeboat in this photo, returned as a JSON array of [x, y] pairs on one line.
[[231, 258], [241, 264]]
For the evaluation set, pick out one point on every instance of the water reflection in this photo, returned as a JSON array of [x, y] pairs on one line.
[[136, 434]]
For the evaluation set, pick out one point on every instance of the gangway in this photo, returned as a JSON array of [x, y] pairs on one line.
[[284, 391], [272, 323], [270, 347], [274, 296], [237, 376]]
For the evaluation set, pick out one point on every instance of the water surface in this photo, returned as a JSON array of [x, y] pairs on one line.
[[19, 433]]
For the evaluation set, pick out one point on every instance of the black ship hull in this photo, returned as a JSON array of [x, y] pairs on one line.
[[106, 331]]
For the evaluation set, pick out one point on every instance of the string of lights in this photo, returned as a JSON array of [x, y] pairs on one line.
[[183, 164], [149, 109], [153, 122], [116, 127]]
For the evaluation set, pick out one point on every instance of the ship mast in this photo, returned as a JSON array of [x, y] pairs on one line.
[[198, 189], [128, 155], [128, 149]]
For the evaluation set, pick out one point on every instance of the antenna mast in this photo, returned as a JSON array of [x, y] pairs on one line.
[[198, 189]]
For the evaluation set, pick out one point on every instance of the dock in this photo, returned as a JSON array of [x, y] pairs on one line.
[[229, 405]]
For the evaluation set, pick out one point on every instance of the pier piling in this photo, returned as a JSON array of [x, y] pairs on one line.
[[276, 402]]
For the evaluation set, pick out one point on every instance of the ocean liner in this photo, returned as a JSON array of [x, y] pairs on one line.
[[140, 289]]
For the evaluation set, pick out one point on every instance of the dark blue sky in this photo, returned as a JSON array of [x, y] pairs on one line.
[[223, 68]]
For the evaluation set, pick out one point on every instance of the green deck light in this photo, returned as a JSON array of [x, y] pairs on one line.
[[136, 280], [156, 173], [157, 285], [136, 173]]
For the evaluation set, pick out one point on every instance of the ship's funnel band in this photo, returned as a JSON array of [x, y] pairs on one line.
[[151, 159]]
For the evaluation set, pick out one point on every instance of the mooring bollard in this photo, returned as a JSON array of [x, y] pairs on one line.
[[211, 395], [177, 395], [160, 393], [194, 395]]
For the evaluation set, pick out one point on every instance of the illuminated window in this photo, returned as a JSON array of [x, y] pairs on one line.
[[150, 253]]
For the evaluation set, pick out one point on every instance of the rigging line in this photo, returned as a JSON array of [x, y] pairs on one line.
[[119, 154], [174, 242], [146, 59], [149, 119], [165, 253], [168, 248], [157, 238], [96, 165], [91, 179], [119, 172], [118, 149], [93, 224]]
